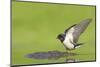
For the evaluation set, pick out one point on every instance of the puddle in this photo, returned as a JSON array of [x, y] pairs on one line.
[[52, 55]]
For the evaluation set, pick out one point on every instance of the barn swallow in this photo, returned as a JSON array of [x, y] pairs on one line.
[[71, 35]]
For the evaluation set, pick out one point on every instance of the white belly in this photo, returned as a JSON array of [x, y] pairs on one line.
[[68, 44], [69, 39]]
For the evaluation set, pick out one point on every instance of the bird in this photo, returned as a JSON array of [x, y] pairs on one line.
[[71, 35]]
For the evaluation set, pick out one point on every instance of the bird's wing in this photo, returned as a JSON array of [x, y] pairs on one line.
[[80, 28], [69, 28]]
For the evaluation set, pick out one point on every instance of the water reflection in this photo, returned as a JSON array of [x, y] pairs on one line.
[[52, 55]]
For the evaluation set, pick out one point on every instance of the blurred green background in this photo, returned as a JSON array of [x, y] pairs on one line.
[[35, 27]]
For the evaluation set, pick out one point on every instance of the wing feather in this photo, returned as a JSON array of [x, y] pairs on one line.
[[69, 28], [80, 28]]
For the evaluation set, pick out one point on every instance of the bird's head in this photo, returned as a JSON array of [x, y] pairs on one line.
[[61, 37]]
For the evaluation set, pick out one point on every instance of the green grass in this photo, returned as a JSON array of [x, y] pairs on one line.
[[35, 27]]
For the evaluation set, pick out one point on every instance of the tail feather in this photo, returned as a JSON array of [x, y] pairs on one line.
[[78, 45]]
